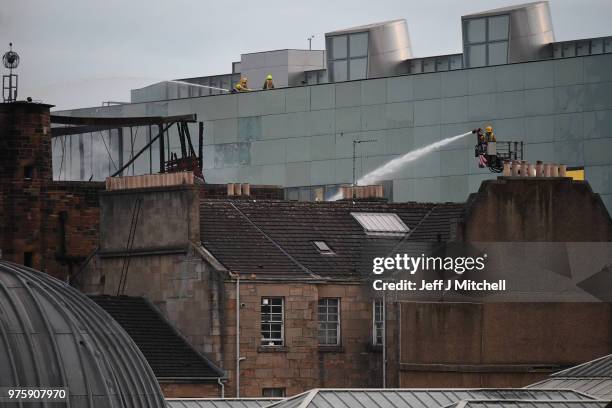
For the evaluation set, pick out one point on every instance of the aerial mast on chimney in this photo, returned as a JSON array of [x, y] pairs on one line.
[[10, 60]]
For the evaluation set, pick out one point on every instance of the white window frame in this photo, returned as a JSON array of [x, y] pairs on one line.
[[265, 341], [378, 303], [338, 322]]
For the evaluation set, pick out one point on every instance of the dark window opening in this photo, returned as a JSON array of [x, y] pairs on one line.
[[28, 172], [27, 259], [378, 322], [273, 392]]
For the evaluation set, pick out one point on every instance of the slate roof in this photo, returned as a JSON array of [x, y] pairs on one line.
[[219, 402], [167, 352], [418, 398], [273, 238]]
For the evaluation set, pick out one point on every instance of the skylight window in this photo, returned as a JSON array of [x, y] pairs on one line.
[[381, 224], [323, 247]]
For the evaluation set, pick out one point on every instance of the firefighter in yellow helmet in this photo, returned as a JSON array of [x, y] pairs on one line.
[[237, 88], [489, 136], [268, 84], [244, 83]]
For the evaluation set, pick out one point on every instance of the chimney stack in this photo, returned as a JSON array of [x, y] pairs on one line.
[[362, 192], [238, 190], [523, 168]]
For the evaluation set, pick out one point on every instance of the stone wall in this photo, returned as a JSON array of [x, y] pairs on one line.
[[300, 363], [190, 390], [536, 209], [498, 344]]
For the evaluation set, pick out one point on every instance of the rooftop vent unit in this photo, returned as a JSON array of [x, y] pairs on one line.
[[368, 51], [507, 35]]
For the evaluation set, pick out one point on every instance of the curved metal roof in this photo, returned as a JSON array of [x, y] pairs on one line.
[[51, 335]]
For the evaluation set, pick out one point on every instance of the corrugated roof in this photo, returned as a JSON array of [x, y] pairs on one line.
[[219, 402], [527, 404], [601, 367], [418, 398], [597, 387]]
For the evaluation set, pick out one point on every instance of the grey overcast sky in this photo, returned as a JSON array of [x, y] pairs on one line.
[[77, 53]]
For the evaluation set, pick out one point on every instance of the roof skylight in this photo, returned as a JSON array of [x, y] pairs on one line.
[[381, 224]]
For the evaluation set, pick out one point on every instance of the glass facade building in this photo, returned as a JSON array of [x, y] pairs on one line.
[[301, 137]]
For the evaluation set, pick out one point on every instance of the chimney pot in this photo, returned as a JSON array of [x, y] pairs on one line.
[[379, 191], [524, 169], [531, 171], [246, 189], [555, 170], [539, 167], [547, 170], [516, 168], [507, 168]]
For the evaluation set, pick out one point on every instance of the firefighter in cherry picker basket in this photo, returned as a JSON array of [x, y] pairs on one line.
[[481, 147]]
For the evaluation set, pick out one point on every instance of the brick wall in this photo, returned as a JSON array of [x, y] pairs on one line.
[[25, 157], [51, 226], [70, 226]]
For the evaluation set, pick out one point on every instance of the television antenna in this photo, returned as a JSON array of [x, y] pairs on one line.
[[10, 60], [310, 42]]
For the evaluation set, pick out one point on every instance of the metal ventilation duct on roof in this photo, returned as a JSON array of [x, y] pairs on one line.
[[527, 29], [51, 335], [388, 45]]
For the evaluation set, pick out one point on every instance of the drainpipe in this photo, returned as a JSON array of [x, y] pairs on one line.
[[238, 358], [222, 387], [384, 345]]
